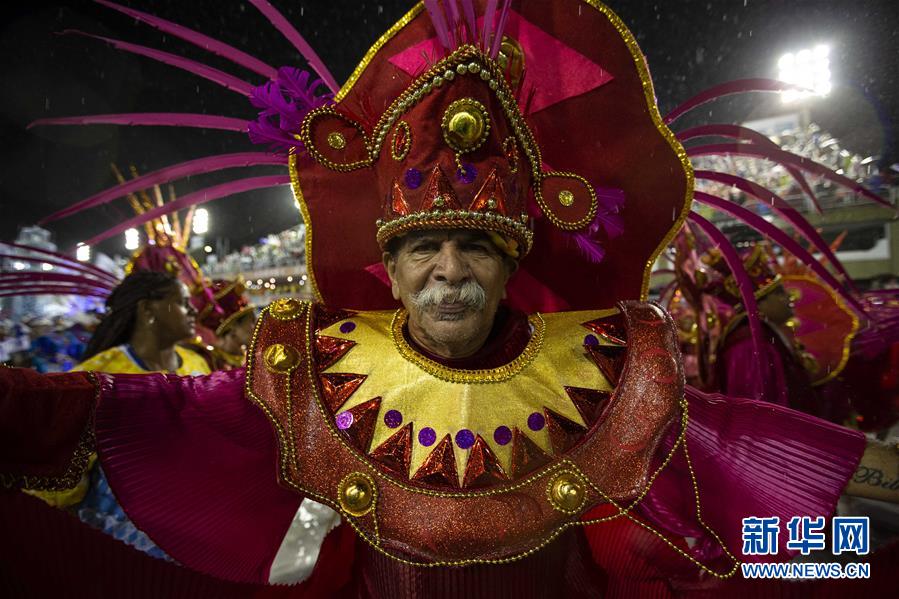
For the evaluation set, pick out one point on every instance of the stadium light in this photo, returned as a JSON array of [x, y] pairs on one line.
[[808, 68], [83, 253], [132, 239], [201, 221]]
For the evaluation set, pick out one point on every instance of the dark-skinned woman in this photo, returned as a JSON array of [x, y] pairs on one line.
[[147, 315]]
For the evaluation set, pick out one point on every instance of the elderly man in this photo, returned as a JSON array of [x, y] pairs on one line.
[[462, 442]]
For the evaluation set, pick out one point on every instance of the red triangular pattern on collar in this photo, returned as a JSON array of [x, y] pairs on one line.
[[439, 468]]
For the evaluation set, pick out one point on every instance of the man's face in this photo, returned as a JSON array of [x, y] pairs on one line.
[[451, 283]]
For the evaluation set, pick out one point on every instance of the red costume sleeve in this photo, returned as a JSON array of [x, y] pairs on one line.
[[194, 465], [46, 436]]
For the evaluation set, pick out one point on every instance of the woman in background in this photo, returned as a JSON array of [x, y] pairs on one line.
[[147, 315]]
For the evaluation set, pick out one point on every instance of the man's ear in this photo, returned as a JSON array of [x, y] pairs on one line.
[[390, 267], [511, 266]]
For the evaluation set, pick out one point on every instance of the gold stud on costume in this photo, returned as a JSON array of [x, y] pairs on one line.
[[465, 125], [356, 494], [336, 140], [280, 358], [567, 492], [285, 308], [566, 198]]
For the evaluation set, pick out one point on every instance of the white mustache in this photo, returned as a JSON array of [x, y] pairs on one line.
[[469, 293]]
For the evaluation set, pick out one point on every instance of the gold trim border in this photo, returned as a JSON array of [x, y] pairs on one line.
[[307, 220]]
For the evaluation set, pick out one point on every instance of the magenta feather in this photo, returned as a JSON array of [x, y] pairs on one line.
[[17, 278], [489, 14], [739, 132], [784, 210], [782, 157], [500, 28], [471, 20], [198, 197], [152, 119], [95, 269], [739, 86], [53, 290], [768, 230], [198, 39], [744, 284], [166, 175], [66, 265], [216, 76], [294, 37], [435, 11]]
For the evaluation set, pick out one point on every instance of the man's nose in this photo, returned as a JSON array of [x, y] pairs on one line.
[[451, 267]]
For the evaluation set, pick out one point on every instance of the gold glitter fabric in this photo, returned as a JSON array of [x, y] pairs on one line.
[[438, 496]]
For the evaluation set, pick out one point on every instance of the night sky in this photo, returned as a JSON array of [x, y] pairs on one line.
[[690, 45]]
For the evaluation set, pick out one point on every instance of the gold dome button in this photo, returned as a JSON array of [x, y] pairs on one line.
[[356, 494], [336, 140], [285, 308], [566, 198], [465, 124], [280, 358], [567, 492]]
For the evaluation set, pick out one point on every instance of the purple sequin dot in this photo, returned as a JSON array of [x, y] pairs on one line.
[[347, 327], [344, 420], [591, 341], [468, 174], [393, 418], [536, 421], [465, 438], [413, 178], [427, 436], [502, 435]]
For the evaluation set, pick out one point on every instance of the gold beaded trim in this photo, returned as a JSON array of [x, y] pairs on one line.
[[307, 220], [305, 136], [511, 147], [407, 143], [455, 375], [463, 219], [77, 465], [564, 224]]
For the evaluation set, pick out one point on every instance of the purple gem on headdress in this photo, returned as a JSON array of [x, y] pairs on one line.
[[427, 436], [393, 418], [502, 435], [413, 178], [347, 327], [536, 421], [344, 420], [591, 341], [464, 438], [467, 173]]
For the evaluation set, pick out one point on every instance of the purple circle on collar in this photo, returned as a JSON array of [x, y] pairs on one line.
[[591, 341], [412, 178], [467, 174], [502, 435], [427, 436], [393, 418], [347, 327], [536, 421], [464, 438], [344, 420]]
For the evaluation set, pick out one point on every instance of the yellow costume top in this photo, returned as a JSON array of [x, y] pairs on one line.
[[121, 360], [117, 360]]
